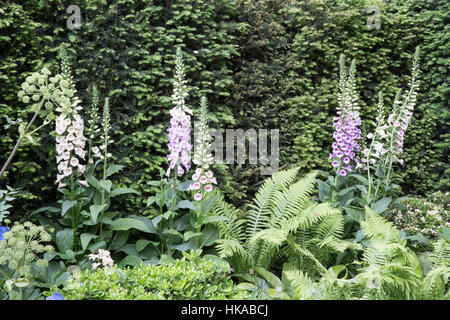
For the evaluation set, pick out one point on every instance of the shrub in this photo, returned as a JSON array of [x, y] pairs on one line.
[[423, 217], [190, 278]]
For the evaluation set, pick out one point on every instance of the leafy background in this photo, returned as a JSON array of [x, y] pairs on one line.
[[261, 64]]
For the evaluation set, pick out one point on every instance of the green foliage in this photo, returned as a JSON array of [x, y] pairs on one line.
[[387, 270], [422, 219], [268, 64], [5, 197], [19, 251], [283, 223], [189, 278]]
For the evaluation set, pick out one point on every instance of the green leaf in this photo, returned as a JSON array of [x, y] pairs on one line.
[[131, 223], [210, 219], [141, 244], [172, 232], [120, 239], [209, 235], [324, 190], [93, 181], [106, 185], [64, 240], [360, 178], [129, 249], [418, 237], [354, 214], [185, 246], [151, 200], [130, 260], [188, 235], [336, 270], [119, 191], [381, 205], [184, 185], [445, 233], [113, 169], [155, 183], [21, 129], [86, 238], [182, 223], [217, 260], [271, 279], [31, 140], [165, 259], [62, 279], [95, 210], [97, 245], [66, 206], [186, 204], [208, 204]]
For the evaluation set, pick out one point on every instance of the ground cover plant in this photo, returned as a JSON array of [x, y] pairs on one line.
[[121, 178]]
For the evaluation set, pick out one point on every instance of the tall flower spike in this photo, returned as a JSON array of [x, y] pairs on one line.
[[345, 145], [400, 117], [180, 131], [378, 146], [92, 128], [203, 177], [70, 140]]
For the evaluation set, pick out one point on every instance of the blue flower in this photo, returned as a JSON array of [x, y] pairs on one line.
[[2, 231], [55, 296]]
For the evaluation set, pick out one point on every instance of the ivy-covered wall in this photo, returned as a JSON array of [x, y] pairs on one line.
[[261, 64]]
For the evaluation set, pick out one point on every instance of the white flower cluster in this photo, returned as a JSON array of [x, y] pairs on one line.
[[70, 143], [103, 257]]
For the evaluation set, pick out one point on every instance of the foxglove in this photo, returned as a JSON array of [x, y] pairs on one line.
[[203, 177], [347, 133], [180, 123]]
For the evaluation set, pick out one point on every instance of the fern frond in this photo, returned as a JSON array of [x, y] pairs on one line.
[[233, 228], [302, 251], [290, 203], [260, 212], [376, 227]]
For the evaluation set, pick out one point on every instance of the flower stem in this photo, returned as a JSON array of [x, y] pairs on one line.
[[13, 152]]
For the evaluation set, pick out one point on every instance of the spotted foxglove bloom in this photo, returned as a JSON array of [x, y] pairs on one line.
[[203, 176], [180, 123], [345, 147], [70, 143], [69, 127], [377, 147]]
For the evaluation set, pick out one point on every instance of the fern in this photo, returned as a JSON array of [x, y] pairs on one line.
[[283, 224]]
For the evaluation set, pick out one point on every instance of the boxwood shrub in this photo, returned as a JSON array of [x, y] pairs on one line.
[[184, 279]]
